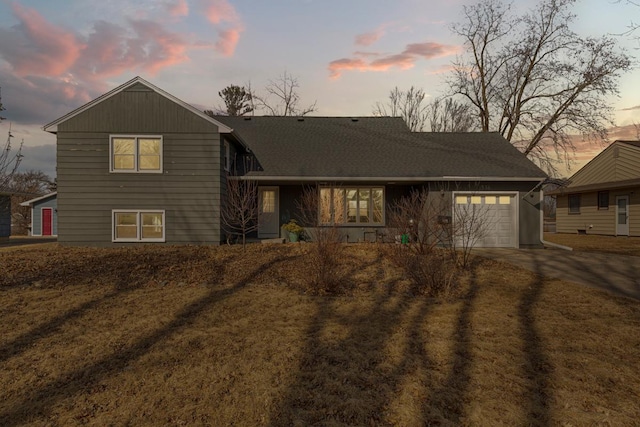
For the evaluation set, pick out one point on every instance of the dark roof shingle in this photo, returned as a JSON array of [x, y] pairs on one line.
[[374, 147]]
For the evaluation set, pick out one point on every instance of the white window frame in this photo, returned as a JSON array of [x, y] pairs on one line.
[[138, 213], [136, 154], [370, 208]]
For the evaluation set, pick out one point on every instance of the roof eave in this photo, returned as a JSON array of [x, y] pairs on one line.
[[37, 199], [387, 178], [595, 187]]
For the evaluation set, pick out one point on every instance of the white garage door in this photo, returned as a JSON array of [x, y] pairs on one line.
[[488, 219]]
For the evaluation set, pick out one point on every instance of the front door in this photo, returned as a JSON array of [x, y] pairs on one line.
[[47, 221], [268, 215], [622, 215]]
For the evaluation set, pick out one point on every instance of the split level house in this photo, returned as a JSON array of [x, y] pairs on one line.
[[603, 197], [138, 165]]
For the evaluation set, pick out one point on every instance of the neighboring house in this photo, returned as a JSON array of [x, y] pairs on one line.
[[139, 165], [604, 196], [5, 215], [44, 215]]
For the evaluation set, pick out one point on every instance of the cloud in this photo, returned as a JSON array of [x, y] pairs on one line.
[[404, 60], [367, 39], [637, 107], [37, 47], [177, 8], [39, 158], [218, 11], [224, 16], [228, 40], [38, 100]]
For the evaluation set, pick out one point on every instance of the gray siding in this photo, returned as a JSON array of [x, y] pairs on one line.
[[36, 215], [5, 216], [188, 190], [529, 205]]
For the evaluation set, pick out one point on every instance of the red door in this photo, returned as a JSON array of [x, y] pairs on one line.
[[47, 221]]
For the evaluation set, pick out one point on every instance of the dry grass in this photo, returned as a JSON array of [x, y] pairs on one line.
[[594, 243], [214, 336]]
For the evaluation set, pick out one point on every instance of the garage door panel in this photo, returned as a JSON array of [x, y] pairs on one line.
[[498, 213]]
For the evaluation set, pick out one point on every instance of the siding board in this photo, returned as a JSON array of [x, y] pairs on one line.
[[188, 189]]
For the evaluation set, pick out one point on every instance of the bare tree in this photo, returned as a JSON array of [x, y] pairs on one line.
[[406, 104], [282, 98], [449, 115], [25, 186], [9, 161], [239, 210], [533, 79]]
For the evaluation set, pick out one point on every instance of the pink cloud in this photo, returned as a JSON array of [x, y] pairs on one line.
[[37, 47], [177, 8], [113, 49], [218, 11], [367, 39], [228, 39], [404, 60]]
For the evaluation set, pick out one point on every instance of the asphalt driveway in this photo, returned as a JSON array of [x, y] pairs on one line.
[[618, 274]]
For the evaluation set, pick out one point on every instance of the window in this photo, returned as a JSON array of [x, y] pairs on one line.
[[136, 154], [138, 226], [351, 206], [227, 156], [574, 203], [603, 200]]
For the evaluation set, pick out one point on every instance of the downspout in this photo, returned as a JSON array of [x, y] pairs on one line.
[[544, 242]]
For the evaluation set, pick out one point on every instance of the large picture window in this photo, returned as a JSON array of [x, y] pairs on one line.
[[136, 154], [138, 226], [352, 206]]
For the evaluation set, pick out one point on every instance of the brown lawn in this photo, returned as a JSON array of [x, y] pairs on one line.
[[215, 336], [593, 243]]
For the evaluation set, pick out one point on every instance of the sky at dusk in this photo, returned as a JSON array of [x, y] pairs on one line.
[[56, 55]]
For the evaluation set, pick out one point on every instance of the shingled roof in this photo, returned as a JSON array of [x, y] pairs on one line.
[[374, 147]]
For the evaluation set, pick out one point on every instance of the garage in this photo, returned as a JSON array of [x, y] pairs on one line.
[[489, 219]]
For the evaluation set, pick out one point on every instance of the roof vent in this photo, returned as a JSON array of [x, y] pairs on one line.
[[354, 119], [301, 119], [247, 117]]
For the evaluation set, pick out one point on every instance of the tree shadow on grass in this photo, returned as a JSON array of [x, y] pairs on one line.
[[356, 363], [37, 403], [537, 366]]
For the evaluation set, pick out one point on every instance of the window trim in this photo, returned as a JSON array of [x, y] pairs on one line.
[[574, 211], [136, 155], [139, 238], [357, 223], [603, 207]]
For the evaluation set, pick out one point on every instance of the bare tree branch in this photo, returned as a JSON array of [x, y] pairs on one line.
[[533, 79], [239, 211], [408, 105], [282, 98]]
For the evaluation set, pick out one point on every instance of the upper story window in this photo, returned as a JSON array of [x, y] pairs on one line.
[[351, 206], [141, 154], [574, 203]]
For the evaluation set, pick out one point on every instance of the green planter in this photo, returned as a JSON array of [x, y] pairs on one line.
[[293, 237]]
